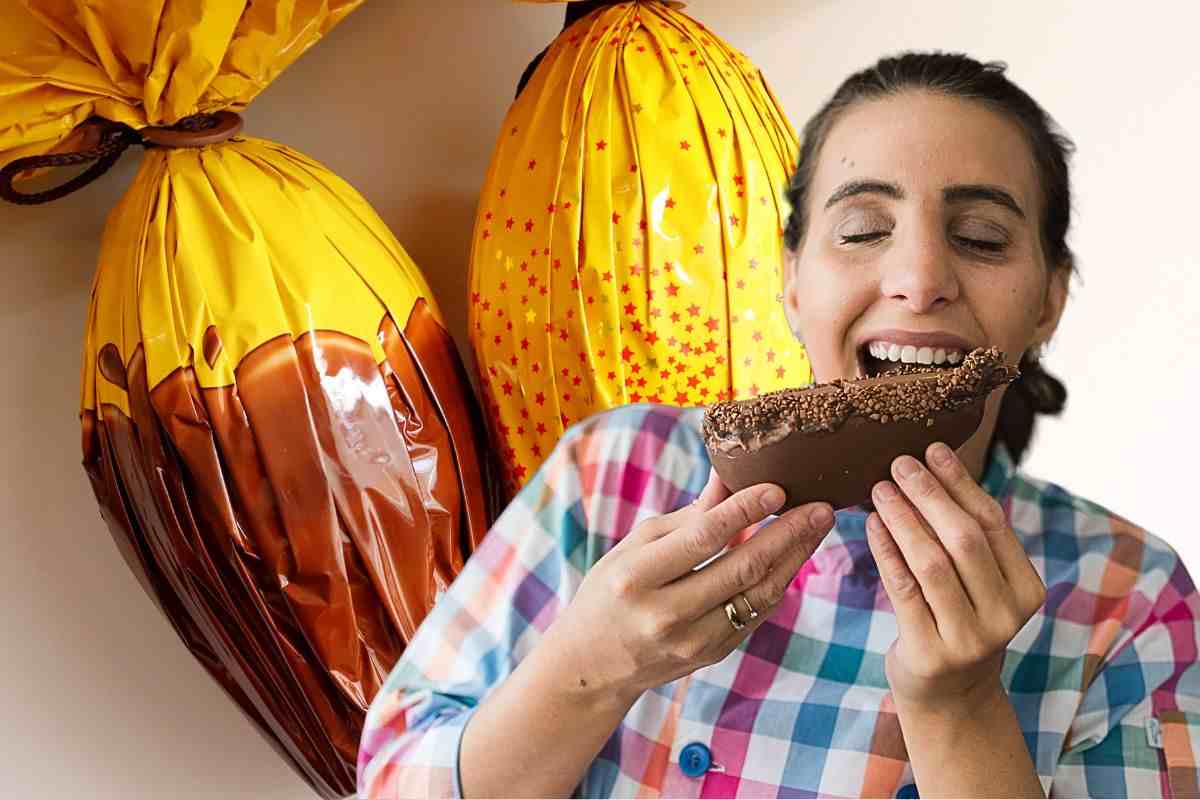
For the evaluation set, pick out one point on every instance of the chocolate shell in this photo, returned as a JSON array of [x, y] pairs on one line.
[[834, 441]]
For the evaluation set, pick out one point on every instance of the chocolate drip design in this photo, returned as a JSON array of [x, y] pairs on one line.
[[212, 346], [296, 526]]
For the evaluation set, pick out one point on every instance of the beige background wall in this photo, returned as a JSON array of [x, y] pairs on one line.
[[99, 698]]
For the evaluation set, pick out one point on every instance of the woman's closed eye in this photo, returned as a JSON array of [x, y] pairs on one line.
[[864, 227], [984, 245], [981, 236], [859, 238]]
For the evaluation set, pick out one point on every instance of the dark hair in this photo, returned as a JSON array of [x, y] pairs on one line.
[[956, 75], [574, 12]]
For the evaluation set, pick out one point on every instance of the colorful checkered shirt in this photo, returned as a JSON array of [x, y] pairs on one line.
[[1104, 678]]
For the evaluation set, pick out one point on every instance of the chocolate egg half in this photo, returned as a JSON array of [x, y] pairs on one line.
[[832, 442]]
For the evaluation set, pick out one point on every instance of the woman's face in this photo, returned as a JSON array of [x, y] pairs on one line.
[[923, 232]]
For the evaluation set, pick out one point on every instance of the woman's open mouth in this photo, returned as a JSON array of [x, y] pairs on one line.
[[880, 357]]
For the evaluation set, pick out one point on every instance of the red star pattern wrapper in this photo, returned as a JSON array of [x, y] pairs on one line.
[[628, 244]]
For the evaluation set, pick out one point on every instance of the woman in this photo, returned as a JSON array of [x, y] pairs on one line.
[[978, 633]]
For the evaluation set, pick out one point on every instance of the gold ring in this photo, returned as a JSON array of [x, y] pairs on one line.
[[734, 619], [753, 613]]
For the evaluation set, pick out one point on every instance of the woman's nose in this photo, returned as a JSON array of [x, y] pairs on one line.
[[921, 274]]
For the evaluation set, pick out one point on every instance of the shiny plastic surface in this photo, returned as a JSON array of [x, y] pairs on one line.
[[277, 426], [628, 243]]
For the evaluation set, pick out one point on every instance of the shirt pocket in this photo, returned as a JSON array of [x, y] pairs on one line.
[[1177, 733]]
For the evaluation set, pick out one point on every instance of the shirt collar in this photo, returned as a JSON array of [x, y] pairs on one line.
[[998, 475]]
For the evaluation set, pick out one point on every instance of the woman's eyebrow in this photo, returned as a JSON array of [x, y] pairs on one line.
[[854, 187], [992, 194]]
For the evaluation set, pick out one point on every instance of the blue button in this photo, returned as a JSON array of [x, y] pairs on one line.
[[908, 790], [695, 759]]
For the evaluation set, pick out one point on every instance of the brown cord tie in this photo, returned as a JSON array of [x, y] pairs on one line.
[[103, 141]]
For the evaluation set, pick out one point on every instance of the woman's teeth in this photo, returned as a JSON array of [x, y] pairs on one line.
[[908, 354]]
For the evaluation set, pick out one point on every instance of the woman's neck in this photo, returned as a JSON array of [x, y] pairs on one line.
[[974, 457], [974, 452]]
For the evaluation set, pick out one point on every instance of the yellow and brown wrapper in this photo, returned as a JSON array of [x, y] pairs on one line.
[[277, 426], [628, 243]]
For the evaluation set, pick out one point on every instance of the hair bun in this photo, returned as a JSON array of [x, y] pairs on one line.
[[1046, 394]]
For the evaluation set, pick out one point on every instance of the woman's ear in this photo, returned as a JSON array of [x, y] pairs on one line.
[[791, 295], [1053, 303]]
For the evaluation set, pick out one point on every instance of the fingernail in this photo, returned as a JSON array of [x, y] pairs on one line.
[[821, 517], [941, 454], [771, 498], [907, 466], [885, 490]]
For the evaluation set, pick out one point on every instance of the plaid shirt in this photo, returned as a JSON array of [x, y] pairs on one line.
[[1104, 679]]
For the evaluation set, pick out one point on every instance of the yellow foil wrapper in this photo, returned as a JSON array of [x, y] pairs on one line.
[[276, 423], [628, 244]]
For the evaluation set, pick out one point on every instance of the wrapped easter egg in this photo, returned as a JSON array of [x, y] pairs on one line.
[[276, 423], [628, 243]]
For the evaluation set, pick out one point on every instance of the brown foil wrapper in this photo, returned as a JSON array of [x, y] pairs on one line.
[[297, 526]]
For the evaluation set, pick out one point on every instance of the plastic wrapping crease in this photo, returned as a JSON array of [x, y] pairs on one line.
[[277, 426]]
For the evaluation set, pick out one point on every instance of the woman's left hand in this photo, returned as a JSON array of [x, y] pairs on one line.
[[960, 582]]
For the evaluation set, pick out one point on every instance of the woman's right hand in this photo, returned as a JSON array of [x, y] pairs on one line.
[[644, 616]]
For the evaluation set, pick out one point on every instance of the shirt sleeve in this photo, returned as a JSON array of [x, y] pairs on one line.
[[1136, 732], [595, 485]]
